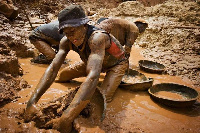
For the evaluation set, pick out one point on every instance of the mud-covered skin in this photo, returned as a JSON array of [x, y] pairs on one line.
[[123, 30], [49, 75], [98, 44], [45, 49], [45, 38]]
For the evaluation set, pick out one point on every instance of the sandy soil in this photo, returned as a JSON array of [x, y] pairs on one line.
[[172, 38]]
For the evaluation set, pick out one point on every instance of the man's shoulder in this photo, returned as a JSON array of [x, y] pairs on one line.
[[98, 36], [99, 33], [116, 20]]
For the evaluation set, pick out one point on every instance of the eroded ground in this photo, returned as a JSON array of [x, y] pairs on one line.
[[172, 39]]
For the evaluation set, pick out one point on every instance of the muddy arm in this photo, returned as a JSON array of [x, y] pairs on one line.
[[87, 88], [50, 74], [130, 39]]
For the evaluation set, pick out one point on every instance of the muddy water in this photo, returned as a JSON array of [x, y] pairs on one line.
[[137, 112], [136, 56], [129, 111], [170, 95]]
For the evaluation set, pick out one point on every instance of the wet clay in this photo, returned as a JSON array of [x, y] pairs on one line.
[[9, 87], [129, 111], [137, 112], [130, 79], [171, 39], [170, 95]]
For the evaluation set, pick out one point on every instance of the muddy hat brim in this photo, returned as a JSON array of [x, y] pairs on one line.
[[72, 23], [72, 16]]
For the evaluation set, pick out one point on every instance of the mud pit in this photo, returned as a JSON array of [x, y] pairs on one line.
[[129, 111], [171, 39]]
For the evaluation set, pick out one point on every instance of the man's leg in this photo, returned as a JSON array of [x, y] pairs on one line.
[[44, 48], [112, 80], [73, 71]]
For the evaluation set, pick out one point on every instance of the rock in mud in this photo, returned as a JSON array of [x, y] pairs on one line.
[[15, 36], [8, 60], [9, 86]]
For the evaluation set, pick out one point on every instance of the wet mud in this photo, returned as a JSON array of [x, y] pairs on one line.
[[172, 39], [129, 111], [171, 95], [130, 79], [9, 87]]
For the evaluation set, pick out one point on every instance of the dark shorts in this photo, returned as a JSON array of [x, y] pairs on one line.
[[36, 35]]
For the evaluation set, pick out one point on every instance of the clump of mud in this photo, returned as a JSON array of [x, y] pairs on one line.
[[130, 8], [182, 11], [8, 60], [13, 39], [15, 36], [55, 108], [9, 87]]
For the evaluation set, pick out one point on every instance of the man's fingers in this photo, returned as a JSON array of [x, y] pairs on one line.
[[53, 124], [28, 117], [30, 113]]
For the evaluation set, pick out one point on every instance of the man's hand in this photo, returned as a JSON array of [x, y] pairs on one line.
[[30, 112], [127, 55], [127, 51], [61, 124]]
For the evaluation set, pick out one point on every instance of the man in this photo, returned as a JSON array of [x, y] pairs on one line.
[[46, 36], [124, 31], [8, 9], [46, 39], [99, 52]]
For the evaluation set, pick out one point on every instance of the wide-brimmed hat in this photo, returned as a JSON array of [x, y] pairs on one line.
[[72, 16]]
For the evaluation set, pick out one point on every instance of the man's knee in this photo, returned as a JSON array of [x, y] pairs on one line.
[[64, 75], [73, 71], [35, 40], [32, 39], [113, 80]]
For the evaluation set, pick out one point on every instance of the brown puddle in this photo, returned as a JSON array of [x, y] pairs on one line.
[[170, 95], [129, 111]]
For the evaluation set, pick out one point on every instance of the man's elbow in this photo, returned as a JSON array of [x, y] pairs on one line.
[[93, 75]]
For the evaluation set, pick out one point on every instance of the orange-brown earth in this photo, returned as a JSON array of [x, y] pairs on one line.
[[172, 39]]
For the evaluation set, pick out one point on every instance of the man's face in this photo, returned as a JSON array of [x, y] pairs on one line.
[[75, 34]]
